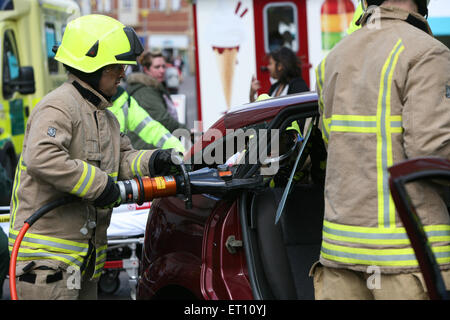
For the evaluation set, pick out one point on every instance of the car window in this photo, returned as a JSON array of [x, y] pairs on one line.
[[11, 64], [6, 5], [226, 148], [280, 26]]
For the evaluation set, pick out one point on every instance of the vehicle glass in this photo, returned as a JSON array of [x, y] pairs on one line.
[[228, 148], [6, 5], [280, 26], [10, 64], [50, 37]]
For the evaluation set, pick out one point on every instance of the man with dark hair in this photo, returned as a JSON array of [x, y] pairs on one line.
[[73, 145]]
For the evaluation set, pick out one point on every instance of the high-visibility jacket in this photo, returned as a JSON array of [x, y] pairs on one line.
[[382, 99], [72, 144], [143, 131]]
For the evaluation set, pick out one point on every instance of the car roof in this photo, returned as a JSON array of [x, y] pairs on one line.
[[259, 111]]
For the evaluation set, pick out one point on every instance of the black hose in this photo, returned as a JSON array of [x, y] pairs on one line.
[[48, 207]]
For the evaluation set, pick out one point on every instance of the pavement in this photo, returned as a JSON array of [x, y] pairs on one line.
[[187, 87]]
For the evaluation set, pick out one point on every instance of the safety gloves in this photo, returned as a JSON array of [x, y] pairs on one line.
[[165, 162], [110, 197]]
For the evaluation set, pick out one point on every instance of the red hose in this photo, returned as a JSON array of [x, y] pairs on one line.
[[12, 262]]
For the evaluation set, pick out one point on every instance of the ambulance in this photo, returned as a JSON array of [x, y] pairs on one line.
[[29, 29], [233, 38]]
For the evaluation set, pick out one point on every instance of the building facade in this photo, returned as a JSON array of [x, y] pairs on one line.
[[166, 25]]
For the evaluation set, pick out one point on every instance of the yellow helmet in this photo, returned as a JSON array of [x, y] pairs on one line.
[[93, 41]]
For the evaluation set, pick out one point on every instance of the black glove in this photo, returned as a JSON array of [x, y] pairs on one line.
[[110, 197], [165, 162]]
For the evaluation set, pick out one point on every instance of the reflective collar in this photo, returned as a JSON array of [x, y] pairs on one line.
[[88, 93], [390, 13]]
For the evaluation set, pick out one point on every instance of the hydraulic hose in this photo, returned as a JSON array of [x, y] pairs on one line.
[[27, 224]]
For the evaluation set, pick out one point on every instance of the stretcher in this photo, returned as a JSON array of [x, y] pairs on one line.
[[125, 238]]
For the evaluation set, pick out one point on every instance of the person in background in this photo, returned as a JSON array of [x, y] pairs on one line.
[[172, 78], [285, 68], [143, 131], [150, 91]]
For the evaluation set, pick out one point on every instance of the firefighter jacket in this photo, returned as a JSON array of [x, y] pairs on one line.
[[382, 99], [72, 144], [143, 131]]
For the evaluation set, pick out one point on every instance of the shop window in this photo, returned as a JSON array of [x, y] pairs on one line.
[[280, 26], [176, 5]]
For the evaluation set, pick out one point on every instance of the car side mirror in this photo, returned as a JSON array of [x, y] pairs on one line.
[[26, 81]]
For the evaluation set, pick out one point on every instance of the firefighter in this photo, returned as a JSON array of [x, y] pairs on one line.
[[383, 98], [73, 145], [143, 131]]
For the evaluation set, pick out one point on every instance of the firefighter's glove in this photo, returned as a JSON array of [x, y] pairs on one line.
[[164, 162], [110, 197]]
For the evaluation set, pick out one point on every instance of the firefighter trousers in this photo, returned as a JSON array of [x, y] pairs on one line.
[[346, 284]]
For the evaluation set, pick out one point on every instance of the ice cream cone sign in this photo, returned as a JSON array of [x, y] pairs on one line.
[[226, 35]]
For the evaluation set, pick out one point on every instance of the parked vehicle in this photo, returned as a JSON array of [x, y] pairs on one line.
[[199, 253], [29, 29]]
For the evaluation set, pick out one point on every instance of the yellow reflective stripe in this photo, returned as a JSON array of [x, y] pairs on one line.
[[386, 207], [136, 163], [15, 199], [326, 122], [4, 217], [32, 254], [52, 242], [100, 261], [80, 181], [114, 175], [90, 181], [320, 76], [381, 257], [380, 236], [362, 124], [343, 227], [85, 182]]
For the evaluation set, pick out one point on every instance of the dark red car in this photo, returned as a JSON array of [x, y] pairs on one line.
[[200, 253], [256, 243]]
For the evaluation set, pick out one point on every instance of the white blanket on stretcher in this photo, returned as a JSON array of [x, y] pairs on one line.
[[127, 220]]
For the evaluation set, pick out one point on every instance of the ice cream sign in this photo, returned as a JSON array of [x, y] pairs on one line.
[[226, 35], [226, 52]]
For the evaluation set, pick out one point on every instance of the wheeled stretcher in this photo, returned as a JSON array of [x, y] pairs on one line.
[[125, 237]]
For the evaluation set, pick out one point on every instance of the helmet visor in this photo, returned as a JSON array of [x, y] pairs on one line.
[[136, 47]]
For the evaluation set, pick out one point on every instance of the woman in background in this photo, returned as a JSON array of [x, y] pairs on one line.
[[284, 67]]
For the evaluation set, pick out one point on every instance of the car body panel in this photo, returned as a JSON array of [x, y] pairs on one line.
[[188, 248]]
